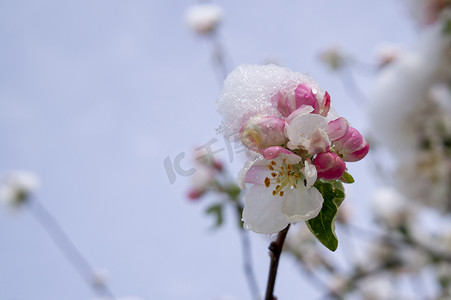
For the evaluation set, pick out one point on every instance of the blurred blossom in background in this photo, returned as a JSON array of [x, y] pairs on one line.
[[105, 101]]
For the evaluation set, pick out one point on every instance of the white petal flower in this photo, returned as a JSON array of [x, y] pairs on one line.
[[282, 193], [17, 186], [204, 18]]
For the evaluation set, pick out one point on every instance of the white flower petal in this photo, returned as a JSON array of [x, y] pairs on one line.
[[302, 204], [310, 174], [243, 176], [262, 211], [301, 128]]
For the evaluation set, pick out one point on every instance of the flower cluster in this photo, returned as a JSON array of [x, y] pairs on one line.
[[417, 127], [288, 122]]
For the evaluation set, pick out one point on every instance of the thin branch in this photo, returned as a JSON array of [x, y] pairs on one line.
[[67, 247], [318, 281], [275, 249], [247, 257], [352, 88], [406, 240]]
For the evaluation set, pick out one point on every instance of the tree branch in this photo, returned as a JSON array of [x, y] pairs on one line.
[[275, 249], [67, 248]]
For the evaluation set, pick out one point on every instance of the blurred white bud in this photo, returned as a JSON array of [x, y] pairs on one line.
[[303, 245], [391, 208], [426, 12], [204, 18], [16, 187], [100, 277], [379, 288], [387, 53], [333, 57]]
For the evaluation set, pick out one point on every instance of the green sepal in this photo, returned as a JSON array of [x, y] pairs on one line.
[[216, 210], [323, 225], [347, 178]]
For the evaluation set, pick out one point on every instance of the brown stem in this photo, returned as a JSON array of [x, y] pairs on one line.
[[275, 249]]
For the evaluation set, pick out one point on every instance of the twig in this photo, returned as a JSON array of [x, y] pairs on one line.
[[435, 254], [67, 248], [352, 88], [247, 257], [275, 249]]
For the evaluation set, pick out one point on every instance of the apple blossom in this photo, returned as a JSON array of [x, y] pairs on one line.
[[204, 18], [410, 115], [287, 119], [17, 187], [282, 193]]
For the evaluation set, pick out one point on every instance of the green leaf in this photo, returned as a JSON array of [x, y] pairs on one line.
[[347, 178], [233, 191], [216, 211], [323, 225], [447, 27]]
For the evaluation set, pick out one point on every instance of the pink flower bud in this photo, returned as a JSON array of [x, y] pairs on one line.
[[325, 106], [292, 100], [262, 132], [195, 194], [352, 146], [329, 165], [337, 128]]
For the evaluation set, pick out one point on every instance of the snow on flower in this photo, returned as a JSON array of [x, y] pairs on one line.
[[17, 186], [204, 18], [288, 121]]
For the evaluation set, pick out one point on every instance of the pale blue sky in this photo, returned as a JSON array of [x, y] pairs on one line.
[[95, 94]]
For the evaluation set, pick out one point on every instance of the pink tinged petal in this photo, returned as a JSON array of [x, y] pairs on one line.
[[286, 103], [310, 174], [325, 107], [359, 154], [337, 128], [352, 146], [258, 164], [302, 110], [300, 129], [262, 211], [319, 142], [256, 174], [257, 170], [329, 166], [302, 95], [302, 204], [275, 151], [262, 132]]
